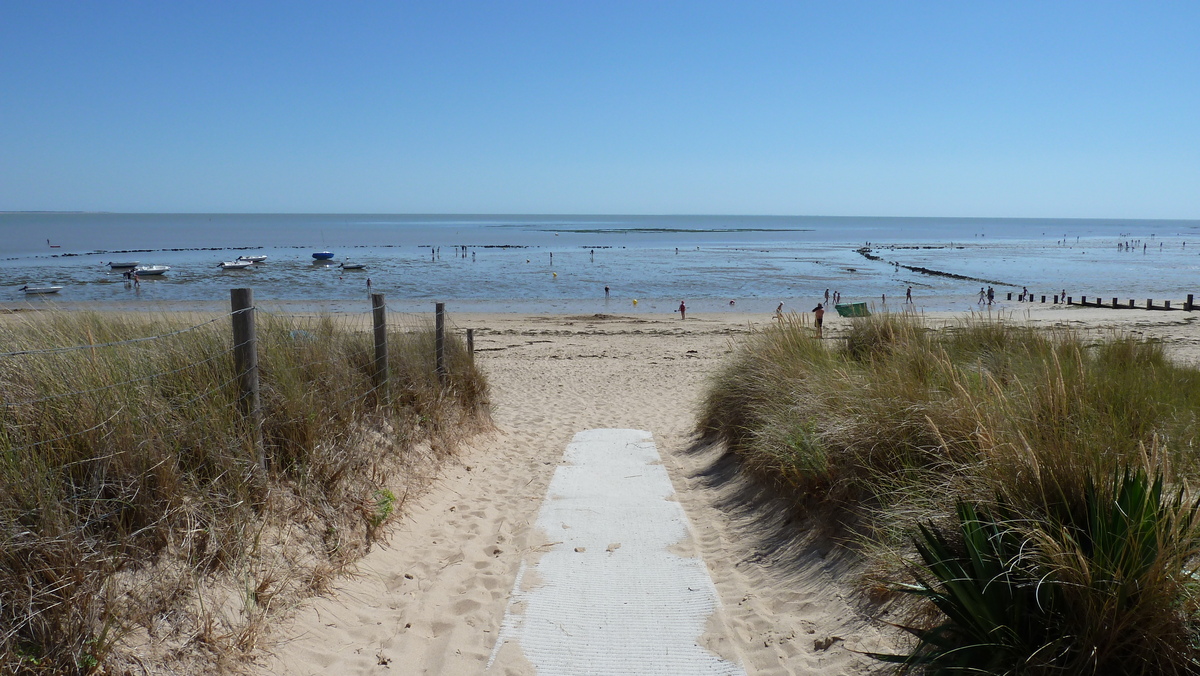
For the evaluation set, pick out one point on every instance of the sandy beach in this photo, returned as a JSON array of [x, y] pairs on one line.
[[432, 599]]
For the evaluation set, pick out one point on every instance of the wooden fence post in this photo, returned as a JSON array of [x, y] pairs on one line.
[[245, 362], [471, 344], [1115, 304], [1083, 300], [1187, 305], [382, 376], [1149, 303], [439, 338]]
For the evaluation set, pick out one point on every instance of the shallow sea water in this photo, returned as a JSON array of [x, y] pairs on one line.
[[560, 264]]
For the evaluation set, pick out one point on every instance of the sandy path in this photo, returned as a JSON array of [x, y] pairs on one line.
[[432, 600]]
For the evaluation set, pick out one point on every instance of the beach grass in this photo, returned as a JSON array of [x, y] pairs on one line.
[[132, 505], [914, 438]]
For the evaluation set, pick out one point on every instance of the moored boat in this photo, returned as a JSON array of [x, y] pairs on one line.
[[253, 259], [148, 270], [123, 264], [322, 255], [353, 266], [40, 289], [235, 265]]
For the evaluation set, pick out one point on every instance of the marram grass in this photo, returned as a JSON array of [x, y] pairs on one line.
[[929, 436], [129, 490]]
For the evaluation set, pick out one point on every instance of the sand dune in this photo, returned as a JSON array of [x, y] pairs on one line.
[[432, 600]]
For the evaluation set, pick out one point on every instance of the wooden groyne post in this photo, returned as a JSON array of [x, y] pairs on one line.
[[245, 362], [381, 374], [439, 341], [471, 344]]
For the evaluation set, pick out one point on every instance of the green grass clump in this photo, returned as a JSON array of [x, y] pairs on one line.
[[993, 444], [129, 482]]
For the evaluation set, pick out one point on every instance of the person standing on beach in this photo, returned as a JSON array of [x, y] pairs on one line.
[[606, 292], [819, 314], [908, 296], [991, 295], [779, 311], [682, 311], [982, 295], [827, 296]]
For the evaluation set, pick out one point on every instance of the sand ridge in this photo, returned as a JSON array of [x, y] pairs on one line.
[[432, 599]]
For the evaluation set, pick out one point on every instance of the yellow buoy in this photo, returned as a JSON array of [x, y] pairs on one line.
[[635, 301], [554, 273]]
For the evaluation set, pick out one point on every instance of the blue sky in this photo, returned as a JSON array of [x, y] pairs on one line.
[[1059, 109]]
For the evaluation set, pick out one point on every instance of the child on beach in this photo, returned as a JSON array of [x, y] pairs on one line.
[[779, 311], [682, 311], [819, 313]]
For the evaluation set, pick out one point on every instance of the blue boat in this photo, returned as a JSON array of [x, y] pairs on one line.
[[322, 255]]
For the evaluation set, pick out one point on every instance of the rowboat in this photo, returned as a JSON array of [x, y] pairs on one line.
[[253, 259], [122, 265], [353, 266], [148, 270], [235, 265], [322, 255], [40, 289]]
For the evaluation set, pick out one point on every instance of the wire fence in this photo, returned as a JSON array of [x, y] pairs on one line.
[[145, 380]]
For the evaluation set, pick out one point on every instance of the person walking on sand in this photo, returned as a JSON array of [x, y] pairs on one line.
[[982, 295], [991, 295], [779, 311], [827, 296], [819, 314], [908, 296], [682, 311]]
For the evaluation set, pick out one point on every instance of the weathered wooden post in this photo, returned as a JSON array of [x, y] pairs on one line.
[[1187, 304], [1043, 299], [1149, 303], [1115, 304], [382, 375], [245, 362], [1069, 300], [1132, 304], [1083, 300], [471, 344], [439, 344], [1166, 305], [1010, 295]]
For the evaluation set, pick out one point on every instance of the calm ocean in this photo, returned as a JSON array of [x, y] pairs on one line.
[[561, 264]]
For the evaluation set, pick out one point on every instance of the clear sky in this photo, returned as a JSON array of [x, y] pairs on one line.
[[1055, 109]]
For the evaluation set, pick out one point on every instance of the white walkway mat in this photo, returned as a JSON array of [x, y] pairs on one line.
[[611, 598]]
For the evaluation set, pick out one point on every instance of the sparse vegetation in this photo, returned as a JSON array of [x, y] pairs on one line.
[[1032, 485], [131, 506]]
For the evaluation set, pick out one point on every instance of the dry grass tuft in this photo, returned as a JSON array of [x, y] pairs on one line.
[[132, 510], [902, 425]]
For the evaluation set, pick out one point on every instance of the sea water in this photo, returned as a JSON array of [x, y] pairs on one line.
[[558, 264]]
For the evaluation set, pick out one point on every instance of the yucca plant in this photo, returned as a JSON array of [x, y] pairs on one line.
[[1000, 616], [1101, 590]]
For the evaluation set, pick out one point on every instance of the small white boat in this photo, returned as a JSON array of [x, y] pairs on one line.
[[40, 289], [235, 265], [253, 259], [148, 270], [353, 266], [122, 265]]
